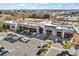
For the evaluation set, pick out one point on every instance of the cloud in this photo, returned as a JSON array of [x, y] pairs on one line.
[[40, 6]]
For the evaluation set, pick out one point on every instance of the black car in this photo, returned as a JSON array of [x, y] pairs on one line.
[[1, 48], [64, 53], [45, 45], [39, 53], [39, 47]]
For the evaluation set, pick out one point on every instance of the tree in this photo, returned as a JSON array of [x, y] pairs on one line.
[[0, 12], [46, 16], [1, 22], [33, 15]]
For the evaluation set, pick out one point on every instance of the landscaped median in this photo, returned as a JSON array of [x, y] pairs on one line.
[[67, 45], [43, 50], [49, 43]]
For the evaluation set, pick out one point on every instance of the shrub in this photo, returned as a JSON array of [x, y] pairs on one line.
[[0, 29], [67, 46], [44, 50], [50, 42], [1, 22], [7, 30]]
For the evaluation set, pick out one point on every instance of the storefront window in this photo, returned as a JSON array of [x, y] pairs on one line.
[[13, 26], [40, 30], [59, 34], [24, 28], [32, 30], [48, 32], [68, 35]]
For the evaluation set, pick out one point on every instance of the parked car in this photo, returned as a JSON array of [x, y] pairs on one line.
[[1, 48], [3, 51], [26, 33], [39, 53], [45, 45], [42, 51], [40, 36], [64, 53], [11, 38], [76, 47], [39, 47], [24, 39]]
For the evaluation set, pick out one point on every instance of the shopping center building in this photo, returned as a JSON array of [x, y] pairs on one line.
[[62, 31]]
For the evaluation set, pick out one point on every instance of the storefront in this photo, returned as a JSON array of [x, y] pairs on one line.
[[68, 32], [48, 32], [40, 30], [59, 34], [50, 29], [8, 27], [68, 35], [59, 31], [32, 30], [13, 28], [24, 28]]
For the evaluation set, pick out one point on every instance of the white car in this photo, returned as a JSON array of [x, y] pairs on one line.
[[24, 39]]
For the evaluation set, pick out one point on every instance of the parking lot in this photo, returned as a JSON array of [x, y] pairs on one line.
[[31, 47], [21, 49]]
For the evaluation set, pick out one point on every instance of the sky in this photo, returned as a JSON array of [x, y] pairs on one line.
[[11, 6]]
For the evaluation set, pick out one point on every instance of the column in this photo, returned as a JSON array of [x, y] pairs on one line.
[[63, 33], [44, 31], [37, 29]]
